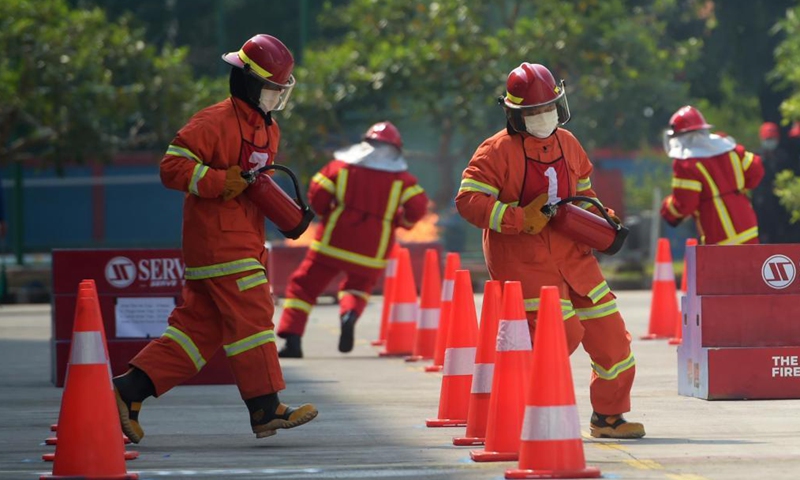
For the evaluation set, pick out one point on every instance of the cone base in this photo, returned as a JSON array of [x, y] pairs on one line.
[[675, 341], [417, 358], [54, 427], [434, 368], [393, 354], [378, 343], [654, 336], [446, 422], [54, 440], [588, 472], [468, 441], [121, 476], [129, 455], [484, 456]]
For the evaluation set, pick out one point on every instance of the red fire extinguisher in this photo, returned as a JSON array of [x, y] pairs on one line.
[[291, 216], [600, 233]]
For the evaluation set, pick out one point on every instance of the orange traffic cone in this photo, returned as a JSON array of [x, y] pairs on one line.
[[429, 309], [690, 242], [664, 312], [404, 310], [481, 390], [452, 263], [459, 356], [90, 438], [388, 289], [678, 338], [512, 372], [551, 433]]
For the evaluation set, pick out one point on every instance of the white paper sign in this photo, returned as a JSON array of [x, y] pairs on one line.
[[142, 317]]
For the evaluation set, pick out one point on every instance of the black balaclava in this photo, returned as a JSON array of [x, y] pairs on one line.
[[246, 87]]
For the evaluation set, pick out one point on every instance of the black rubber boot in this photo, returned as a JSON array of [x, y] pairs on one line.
[[292, 348], [348, 330], [268, 414], [130, 390]]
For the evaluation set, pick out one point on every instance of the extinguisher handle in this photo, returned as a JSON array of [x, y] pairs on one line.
[[251, 176], [550, 210]]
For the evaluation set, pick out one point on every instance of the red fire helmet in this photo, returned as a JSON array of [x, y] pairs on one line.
[[532, 85], [385, 132], [769, 130], [267, 58], [687, 119]]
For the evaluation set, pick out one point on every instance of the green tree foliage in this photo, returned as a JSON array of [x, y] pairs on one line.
[[75, 86]]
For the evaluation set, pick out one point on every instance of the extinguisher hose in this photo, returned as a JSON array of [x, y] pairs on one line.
[[253, 174], [593, 201]]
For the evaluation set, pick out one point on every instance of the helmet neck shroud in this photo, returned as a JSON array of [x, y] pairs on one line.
[[247, 88]]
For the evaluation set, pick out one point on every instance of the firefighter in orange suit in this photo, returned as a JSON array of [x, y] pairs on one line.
[[361, 195], [226, 297], [512, 175], [710, 177]]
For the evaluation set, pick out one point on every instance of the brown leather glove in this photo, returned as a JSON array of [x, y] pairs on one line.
[[611, 213], [234, 183], [535, 220]]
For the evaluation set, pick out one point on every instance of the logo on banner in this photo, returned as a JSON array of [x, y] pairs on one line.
[[778, 271], [120, 272]]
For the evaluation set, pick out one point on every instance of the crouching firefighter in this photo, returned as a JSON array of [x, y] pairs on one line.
[[362, 195], [532, 165], [226, 296]]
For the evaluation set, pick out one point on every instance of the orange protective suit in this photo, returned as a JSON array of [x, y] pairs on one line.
[[227, 302], [508, 168], [360, 208]]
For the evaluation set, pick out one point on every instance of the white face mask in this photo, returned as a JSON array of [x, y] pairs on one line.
[[543, 124], [269, 100]]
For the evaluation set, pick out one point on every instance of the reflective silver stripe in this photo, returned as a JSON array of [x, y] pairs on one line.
[[428, 318], [250, 281], [551, 423], [403, 312], [391, 267], [222, 269], [447, 290], [482, 378], [459, 361], [513, 335], [249, 343], [198, 174], [187, 345], [663, 271], [87, 349]]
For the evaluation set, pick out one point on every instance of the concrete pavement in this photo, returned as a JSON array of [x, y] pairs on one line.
[[372, 412]]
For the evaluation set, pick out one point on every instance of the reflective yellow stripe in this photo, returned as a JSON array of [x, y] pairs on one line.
[[587, 205], [471, 185], [687, 184], [513, 99], [410, 193], [341, 189], [567, 309], [198, 174], [736, 164], [222, 269], [351, 257], [249, 343], [298, 304], [324, 182], [256, 68], [598, 311], [671, 208], [599, 292], [719, 205], [183, 152], [584, 184], [187, 345], [614, 371], [355, 293], [496, 217], [388, 218], [250, 281], [743, 237], [747, 161]]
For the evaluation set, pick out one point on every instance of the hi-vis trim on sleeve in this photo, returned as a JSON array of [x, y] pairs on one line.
[[222, 269], [249, 343], [183, 152], [187, 345], [550, 423], [198, 174], [671, 207], [615, 370], [250, 281], [719, 205], [459, 361], [747, 160], [496, 218], [410, 192], [470, 185], [598, 311], [687, 184], [738, 171], [741, 238], [297, 304], [567, 309], [599, 292], [587, 205], [584, 184], [324, 182]]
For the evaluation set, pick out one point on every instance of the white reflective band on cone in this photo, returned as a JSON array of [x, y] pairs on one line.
[[459, 361], [391, 268], [551, 423], [428, 319], [447, 290], [482, 378], [513, 335], [87, 349], [403, 312], [663, 271]]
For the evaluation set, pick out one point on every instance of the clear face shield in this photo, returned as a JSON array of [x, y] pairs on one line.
[[275, 96]]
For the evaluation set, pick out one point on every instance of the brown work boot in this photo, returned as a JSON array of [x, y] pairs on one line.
[[130, 390], [614, 426], [283, 417], [129, 418]]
